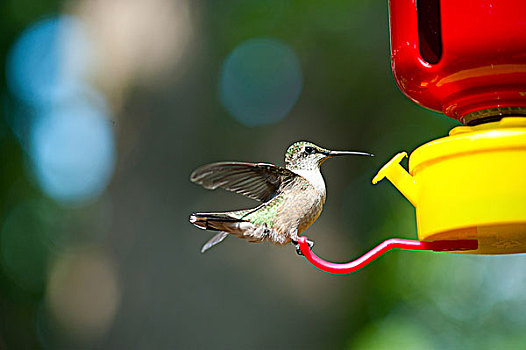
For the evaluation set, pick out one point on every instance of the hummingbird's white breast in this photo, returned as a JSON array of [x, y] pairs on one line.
[[315, 179]]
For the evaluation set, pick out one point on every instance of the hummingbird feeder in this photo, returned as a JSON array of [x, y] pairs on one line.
[[467, 60]]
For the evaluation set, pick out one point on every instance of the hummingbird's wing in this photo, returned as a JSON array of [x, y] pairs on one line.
[[259, 181]]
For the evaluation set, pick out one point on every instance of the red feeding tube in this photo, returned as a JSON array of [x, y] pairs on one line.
[[393, 243]]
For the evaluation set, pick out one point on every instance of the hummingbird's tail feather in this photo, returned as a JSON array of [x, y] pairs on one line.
[[218, 238], [215, 221], [229, 223]]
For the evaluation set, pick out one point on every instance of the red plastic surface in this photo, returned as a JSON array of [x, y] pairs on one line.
[[483, 55], [394, 243]]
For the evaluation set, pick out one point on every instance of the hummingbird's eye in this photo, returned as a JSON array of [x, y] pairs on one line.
[[310, 150]]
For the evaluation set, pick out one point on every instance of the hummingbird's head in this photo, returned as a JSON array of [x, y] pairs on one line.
[[304, 155]]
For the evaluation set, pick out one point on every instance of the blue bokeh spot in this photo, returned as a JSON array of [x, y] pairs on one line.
[[48, 61], [260, 81], [73, 151]]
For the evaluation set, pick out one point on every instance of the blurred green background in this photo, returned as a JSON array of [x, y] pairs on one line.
[[107, 107]]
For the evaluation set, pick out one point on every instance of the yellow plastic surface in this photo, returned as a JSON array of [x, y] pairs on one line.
[[469, 185]]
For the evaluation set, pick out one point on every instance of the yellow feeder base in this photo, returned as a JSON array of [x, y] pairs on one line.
[[469, 185]]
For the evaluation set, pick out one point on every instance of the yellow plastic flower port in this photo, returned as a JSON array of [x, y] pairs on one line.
[[469, 185]]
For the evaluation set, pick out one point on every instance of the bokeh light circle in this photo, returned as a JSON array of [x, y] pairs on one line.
[[73, 152], [83, 293], [50, 61], [260, 81]]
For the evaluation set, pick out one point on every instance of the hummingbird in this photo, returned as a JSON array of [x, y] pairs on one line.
[[292, 196]]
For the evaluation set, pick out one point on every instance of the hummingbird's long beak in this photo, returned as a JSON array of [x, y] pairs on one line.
[[348, 153]]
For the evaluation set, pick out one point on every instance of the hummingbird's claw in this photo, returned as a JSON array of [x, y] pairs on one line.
[[298, 250], [297, 245]]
